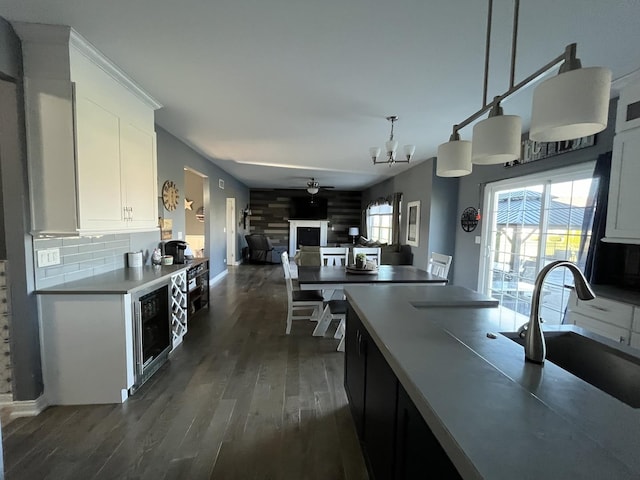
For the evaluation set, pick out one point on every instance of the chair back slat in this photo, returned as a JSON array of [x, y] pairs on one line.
[[330, 256], [372, 253], [439, 264]]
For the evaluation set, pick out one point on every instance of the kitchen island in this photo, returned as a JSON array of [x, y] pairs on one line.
[[493, 415]]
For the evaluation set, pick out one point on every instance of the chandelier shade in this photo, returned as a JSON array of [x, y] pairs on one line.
[[496, 140], [454, 159], [571, 105]]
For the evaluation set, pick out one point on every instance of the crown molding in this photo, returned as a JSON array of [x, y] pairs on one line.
[[83, 46]]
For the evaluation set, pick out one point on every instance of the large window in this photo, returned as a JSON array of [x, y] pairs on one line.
[[379, 223], [530, 222]]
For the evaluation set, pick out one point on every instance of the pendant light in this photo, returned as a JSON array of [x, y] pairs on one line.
[[573, 104], [454, 157], [496, 140]]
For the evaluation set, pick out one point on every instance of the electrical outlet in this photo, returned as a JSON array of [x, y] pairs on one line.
[[478, 239], [179, 235], [48, 257]]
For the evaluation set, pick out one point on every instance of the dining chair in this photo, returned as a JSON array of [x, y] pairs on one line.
[[330, 256], [300, 300], [439, 264], [333, 310], [372, 253]]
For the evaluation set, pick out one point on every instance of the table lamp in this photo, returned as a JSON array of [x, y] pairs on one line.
[[354, 232]]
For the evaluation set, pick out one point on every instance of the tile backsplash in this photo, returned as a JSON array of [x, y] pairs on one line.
[[82, 257]]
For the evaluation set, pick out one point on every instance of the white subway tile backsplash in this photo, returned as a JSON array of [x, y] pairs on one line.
[[82, 257]]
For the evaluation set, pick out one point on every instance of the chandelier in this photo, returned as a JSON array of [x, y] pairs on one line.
[[390, 147], [570, 105]]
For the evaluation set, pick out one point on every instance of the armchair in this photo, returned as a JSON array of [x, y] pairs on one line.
[[261, 250]]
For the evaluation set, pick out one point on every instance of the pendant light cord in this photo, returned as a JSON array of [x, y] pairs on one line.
[[487, 49], [514, 41]]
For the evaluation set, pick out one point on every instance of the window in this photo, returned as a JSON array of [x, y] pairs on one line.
[[379, 223], [530, 222]]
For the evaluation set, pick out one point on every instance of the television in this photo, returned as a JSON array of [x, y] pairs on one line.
[[308, 208]]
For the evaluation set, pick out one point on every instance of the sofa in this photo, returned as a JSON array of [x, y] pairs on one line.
[[309, 256], [261, 250]]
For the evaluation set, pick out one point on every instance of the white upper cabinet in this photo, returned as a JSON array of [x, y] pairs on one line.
[[624, 188], [91, 144]]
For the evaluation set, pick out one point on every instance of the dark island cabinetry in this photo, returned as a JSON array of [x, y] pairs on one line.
[[396, 441]]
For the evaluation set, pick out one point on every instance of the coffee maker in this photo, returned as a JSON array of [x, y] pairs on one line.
[[176, 249]]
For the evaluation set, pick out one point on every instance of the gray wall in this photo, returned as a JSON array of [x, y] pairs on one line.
[[173, 157], [25, 345], [437, 196], [467, 252]]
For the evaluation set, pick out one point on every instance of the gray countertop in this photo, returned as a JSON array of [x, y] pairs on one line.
[[121, 281], [496, 416]]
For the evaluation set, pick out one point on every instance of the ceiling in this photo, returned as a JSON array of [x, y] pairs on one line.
[[277, 91]]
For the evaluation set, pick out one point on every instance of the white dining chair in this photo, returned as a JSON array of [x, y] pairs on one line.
[[439, 264], [300, 300], [372, 253], [330, 256]]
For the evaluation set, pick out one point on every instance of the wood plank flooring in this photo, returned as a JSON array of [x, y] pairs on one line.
[[238, 399]]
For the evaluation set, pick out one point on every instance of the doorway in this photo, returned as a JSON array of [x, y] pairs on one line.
[[530, 222], [231, 231], [194, 211]]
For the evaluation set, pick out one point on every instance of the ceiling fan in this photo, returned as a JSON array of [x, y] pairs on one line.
[[313, 187]]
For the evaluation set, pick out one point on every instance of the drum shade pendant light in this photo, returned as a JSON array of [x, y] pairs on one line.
[[391, 146], [454, 157], [497, 138], [573, 104]]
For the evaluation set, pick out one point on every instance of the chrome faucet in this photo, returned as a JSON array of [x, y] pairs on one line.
[[534, 346]]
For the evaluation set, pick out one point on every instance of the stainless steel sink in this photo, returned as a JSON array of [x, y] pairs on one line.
[[609, 369]]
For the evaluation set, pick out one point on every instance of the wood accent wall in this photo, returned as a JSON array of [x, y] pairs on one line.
[[270, 213]]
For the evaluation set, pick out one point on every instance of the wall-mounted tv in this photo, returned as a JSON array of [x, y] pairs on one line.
[[308, 208]]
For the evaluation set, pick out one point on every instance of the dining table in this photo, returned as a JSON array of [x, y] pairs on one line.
[[337, 277]]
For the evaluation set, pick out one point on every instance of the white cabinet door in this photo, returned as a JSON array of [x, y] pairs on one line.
[[624, 191], [138, 160], [98, 167]]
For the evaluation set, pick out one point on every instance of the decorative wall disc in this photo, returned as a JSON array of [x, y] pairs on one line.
[[469, 219]]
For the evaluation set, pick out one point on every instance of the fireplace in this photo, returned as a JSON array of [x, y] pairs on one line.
[[312, 232], [308, 236]]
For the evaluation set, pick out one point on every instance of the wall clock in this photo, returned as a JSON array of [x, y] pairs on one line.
[[170, 195]]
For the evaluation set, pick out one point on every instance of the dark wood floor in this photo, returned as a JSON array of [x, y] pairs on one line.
[[238, 400]]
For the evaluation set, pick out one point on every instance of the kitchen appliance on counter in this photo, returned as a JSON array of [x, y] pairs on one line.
[[176, 249]]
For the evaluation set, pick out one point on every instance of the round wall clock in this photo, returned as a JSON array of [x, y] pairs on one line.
[[170, 195], [469, 219]]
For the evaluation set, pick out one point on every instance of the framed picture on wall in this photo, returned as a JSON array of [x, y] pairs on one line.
[[413, 223]]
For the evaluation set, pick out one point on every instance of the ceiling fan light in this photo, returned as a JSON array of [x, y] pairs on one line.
[[571, 105], [313, 190], [496, 140], [454, 159]]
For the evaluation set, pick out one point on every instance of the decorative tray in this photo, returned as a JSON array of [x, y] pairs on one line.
[[361, 271]]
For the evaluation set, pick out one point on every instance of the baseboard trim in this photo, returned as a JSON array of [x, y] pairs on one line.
[[22, 408], [218, 277]]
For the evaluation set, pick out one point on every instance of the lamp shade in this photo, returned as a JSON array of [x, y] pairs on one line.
[[571, 105], [496, 140], [354, 231], [454, 159]]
